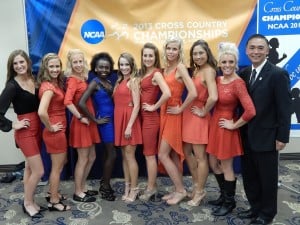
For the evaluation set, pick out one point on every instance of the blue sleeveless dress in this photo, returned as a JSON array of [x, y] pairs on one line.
[[104, 106]]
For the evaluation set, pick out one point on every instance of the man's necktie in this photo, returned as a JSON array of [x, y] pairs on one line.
[[253, 77]]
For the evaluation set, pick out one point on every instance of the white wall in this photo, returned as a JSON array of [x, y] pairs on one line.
[[13, 36]]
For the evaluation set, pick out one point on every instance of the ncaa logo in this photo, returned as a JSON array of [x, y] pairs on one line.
[[92, 31]]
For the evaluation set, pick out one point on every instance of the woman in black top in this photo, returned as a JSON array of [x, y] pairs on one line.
[[21, 91]]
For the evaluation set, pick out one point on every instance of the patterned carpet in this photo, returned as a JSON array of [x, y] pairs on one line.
[[155, 212]]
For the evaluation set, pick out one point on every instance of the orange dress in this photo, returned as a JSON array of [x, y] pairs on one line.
[[150, 120], [122, 112], [224, 143], [81, 135], [56, 142], [195, 128], [171, 124]]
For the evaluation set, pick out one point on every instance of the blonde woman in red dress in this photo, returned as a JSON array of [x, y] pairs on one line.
[[83, 132], [196, 117], [52, 114], [127, 123], [224, 137], [170, 151], [152, 84]]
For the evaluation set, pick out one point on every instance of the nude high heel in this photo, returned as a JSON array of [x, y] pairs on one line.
[[127, 190], [177, 197], [133, 194], [148, 194], [199, 195]]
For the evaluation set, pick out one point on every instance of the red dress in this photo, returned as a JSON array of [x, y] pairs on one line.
[[56, 142], [170, 124], [195, 128], [81, 135], [122, 112], [150, 120], [224, 143]]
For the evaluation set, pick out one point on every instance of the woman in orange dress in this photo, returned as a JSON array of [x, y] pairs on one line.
[[196, 117], [170, 151], [83, 132], [127, 123], [20, 91], [224, 138], [52, 114], [152, 83]]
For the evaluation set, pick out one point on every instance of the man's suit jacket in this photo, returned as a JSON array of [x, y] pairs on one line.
[[272, 100]]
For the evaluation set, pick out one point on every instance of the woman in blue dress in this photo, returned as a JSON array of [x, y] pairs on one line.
[[101, 89]]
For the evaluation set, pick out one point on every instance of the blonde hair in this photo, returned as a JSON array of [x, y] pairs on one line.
[[43, 74], [69, 69], [180, 46], [228, 48]]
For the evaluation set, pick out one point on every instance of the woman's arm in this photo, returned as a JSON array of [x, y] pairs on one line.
[[82, 102], [191, 89], [135, 92], [165, 93], [210, 79], [247, 104], [43, 112]]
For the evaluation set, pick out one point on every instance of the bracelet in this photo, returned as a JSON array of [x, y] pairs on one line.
[[80, 117]]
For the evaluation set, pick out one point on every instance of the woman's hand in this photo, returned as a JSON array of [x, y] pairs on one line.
[[173, 109], [56, 127], [21, 124], [147, 107], [103, 120], [198, 111], [85, 120], [127, 133], [227, 124]]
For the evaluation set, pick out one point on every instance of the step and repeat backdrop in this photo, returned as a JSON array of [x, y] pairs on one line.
[[125, 25]]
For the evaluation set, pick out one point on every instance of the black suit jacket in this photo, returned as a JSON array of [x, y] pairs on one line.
[[272, 100]]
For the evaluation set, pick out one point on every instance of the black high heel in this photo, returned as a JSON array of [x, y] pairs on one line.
[[37, 215], [107, 193]]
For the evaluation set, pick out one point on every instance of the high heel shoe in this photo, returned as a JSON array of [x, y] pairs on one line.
[[58, 206], [168, 196], [192, 194], [126, 192], [177, 197], [148, 194], [36, 215], [133, 194], [199, 195]]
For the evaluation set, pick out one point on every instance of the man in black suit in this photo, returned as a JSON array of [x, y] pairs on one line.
[[267, 133]]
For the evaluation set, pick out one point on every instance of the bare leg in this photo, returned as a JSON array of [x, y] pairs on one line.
[[90, 163], [35, 172], [129, 153], [152, 172], [190, 160], [227, 167], [170, 166], [214, 164], [80, 168], [126, 174], [58, 161], [202, 166]]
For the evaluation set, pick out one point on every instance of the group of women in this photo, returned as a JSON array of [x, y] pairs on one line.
[[144, 107]]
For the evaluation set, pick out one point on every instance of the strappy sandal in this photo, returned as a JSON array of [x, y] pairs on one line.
[[56, 206], [107, 193], [61, 198], [91, 192], [86, 198]]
